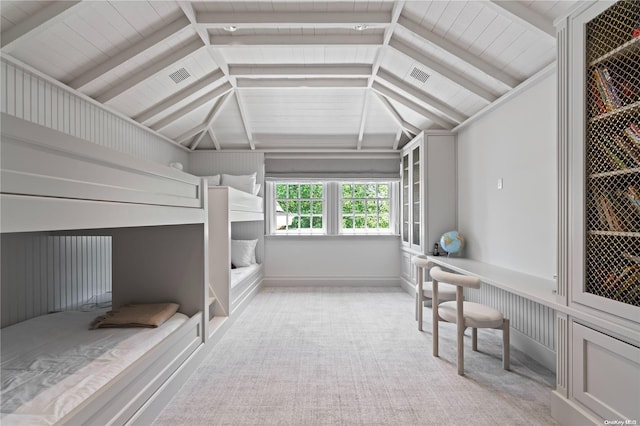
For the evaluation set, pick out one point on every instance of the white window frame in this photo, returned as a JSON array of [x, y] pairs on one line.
[[272, 204], [332, 205], [365, 215]]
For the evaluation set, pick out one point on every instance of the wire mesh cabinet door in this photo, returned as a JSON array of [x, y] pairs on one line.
[[605, 156]]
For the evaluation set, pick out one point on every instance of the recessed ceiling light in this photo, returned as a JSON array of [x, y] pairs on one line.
[[360, 27], [231, 28]]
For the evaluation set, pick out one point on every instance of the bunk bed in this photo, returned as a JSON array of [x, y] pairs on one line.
[[233, 215], [53, 183]]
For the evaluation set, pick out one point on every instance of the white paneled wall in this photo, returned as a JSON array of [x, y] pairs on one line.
[[36, 99], [529, 318], [43, 273]]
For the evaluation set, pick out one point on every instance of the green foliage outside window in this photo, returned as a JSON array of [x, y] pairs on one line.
[[365, 206], [300, 206]]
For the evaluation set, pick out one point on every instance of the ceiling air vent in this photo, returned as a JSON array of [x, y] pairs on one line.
[[419, 75], [180, 75]]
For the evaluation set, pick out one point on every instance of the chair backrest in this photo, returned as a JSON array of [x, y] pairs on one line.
[[421, 261], [455, 279]]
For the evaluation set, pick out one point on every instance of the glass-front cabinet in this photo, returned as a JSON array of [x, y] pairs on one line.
[[412, 174], [428, 196]]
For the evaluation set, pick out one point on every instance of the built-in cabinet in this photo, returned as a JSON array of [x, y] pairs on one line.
[[598, 347], [428, 195]]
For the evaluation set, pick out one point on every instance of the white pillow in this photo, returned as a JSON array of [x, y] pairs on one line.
[[256, 189], [244, 183], [243, 252], [212, 180]]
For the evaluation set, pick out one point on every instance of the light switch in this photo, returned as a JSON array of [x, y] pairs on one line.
[[499, 183]]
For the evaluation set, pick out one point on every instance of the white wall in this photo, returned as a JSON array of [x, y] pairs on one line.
[[369, 260], [514, 227]]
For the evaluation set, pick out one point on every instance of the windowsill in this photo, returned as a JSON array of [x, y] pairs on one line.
[[332, 236]]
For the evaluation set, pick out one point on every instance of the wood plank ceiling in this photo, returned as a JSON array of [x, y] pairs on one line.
[[356, 75]]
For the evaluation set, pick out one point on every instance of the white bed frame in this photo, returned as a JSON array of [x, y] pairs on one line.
[[156, 216], [228, 303]]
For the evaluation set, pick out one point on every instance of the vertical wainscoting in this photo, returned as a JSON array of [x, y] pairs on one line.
[[33, 98], [43, 273], [533, 320]]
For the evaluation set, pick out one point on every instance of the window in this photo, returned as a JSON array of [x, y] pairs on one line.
[[365, 208], [325, 207], [299, 208]]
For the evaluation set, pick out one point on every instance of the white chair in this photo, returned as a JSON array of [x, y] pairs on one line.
[[466, 314], [424, 289]]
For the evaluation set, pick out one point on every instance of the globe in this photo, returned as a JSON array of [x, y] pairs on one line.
[[452, 242]]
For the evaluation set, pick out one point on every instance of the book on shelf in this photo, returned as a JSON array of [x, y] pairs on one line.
[[611, 87], [633, 195], [629, 148], [617, 158], [601, 85], [611, 218]]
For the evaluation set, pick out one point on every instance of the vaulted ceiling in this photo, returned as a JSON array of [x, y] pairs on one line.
[[301, 75]]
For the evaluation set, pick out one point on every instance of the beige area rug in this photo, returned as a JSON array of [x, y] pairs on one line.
[[352, 356]]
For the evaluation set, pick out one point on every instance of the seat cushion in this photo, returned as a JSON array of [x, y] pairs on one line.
[[475, 314], [445, 291]]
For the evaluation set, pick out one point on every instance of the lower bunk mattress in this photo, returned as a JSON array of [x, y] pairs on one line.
[[52, 363]]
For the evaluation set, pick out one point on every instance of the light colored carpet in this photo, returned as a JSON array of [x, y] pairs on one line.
[[346, 356]]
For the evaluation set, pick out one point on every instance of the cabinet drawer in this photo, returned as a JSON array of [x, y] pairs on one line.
[[605, 374]]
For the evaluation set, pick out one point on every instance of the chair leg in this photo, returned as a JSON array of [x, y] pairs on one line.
[[474, 339], [419, 297], [416, 310], [460, 327], [506, 358]]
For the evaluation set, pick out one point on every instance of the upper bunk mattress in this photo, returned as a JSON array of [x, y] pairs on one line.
[[52, 363], [244, 202]]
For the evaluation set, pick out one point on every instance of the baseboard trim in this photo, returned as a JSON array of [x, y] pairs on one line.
[[534, 349], [331, 282], [407, 286], [568, 413]]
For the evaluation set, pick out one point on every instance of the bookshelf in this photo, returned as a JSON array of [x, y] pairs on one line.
[[598, 286], [612, 144]]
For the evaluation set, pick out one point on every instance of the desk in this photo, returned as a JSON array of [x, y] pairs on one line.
[[536, 289]]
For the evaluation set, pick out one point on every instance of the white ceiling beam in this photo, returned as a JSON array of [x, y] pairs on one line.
[[396, 142], [292, 19], [245, 119], [190, 14], [212, 115], [443, 70], [294, 40], [171, 60], [52, 14], [267, 83], [191, 133], [410, 91], [397, 11], [524, 15], [157, 109], [469, 58], [383, 90], [192, 106], [407, 128], [363, 119], [130, 53], [300, 70]]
